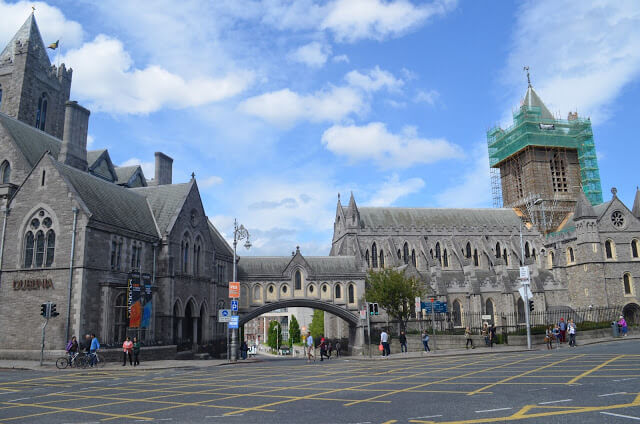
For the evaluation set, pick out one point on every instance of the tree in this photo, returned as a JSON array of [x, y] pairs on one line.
[[294, 330], [316, 328], [274, 336], [394, 292]]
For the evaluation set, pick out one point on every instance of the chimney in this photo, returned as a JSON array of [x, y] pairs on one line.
[[164, 165], [73, 151]]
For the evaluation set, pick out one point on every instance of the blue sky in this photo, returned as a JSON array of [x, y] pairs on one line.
[[278, 106]]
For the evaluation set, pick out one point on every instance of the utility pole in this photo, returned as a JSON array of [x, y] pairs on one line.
[[433, 322]]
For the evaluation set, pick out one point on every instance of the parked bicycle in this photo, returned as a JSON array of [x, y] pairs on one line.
[[96, 358], [74, 360]]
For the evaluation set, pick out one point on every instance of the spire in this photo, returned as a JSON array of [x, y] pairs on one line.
[[352, 203], [531, 99], [583, 208], [636, 204], [28, 33]]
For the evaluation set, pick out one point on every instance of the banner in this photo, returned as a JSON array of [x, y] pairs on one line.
[[135, 304], [146, 315], [148, 304]]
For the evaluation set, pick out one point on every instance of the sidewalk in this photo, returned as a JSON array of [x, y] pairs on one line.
[[115, 366]]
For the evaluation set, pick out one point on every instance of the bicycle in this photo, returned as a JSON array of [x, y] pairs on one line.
[[73, 360], [88, 357]]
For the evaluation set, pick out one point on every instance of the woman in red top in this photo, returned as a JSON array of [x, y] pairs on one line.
[[127, 347]]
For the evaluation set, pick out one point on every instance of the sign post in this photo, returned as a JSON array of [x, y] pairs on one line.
[[433, 322], [524, 277], [234, 294]]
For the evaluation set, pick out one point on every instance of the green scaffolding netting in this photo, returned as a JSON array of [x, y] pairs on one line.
[[530, 129]]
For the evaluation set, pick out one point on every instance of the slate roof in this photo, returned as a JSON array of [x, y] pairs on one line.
[[275, 265], [93, 156], [532, 99], [601, 208], [125, 173], [110, 203], [31, 141], [28, 32], [437, 217], [219, 243], [166, 201], [583, 208]]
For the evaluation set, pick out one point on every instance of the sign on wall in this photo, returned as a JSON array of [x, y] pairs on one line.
[[41, 284]]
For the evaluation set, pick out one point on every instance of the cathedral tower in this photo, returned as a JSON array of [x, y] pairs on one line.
[[31, 89], [543, 163]]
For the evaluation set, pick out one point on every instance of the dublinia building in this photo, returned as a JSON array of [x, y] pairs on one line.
[[75, 227]]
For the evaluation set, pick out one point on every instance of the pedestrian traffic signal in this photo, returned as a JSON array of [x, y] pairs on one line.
[[373, 309], [52, 312], [43, 310], [531, 308]]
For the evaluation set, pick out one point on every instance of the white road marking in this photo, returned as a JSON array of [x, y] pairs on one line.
[[555, 401], [15, 400], [428, 416], [621, 416], [164, 419], [613, 394], [493, 410]]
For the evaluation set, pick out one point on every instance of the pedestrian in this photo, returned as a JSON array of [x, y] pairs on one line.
[[136, 352], [93, 350], [571, 328], [623, 326], [548, 337], [323, 349], [403, 342], [384, 341], [338, 346], [127, 349], [485, 333], [87, 343], [244, 348], [425, 341], [467, 335], [556, 335], [310, 349], [492, 335], [72, 348], [563, 330]]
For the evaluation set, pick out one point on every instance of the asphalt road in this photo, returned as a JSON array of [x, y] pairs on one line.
[[591, 384]]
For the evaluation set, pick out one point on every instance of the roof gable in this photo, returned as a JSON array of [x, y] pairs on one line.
[[166, 202], [32, 142]]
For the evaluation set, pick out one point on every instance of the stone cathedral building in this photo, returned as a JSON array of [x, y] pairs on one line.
[[74, 225]]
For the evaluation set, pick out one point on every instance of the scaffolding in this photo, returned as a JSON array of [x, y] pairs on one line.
[[534, 165]]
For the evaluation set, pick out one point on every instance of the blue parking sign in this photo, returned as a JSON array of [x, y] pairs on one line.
[[235, 320], [234, 305]]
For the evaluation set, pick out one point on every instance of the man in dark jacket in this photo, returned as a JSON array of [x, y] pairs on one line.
[[403, 342]]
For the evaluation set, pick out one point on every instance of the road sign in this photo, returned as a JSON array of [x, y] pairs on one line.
[[234, 289], [363, 314], [234, 321], [418, 302], [486, 317], [234, 305], [524, 272], [438, 306], [224, 315], [529, 294]]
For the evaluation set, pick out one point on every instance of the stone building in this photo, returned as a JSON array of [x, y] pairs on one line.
[[75, 227]]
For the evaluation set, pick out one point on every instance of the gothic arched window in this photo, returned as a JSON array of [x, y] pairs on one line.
[[28, 250], [338, 291], [456, 314], [438, 256], [527, 250], [505, 256], [374, 256], [39, 248], [51, 247], [468, 251], [476, 261], [634, 248], [298, 281], [628, 283], [381, 258], [498, 250], [366, 258], [445, 259], [352, 293], [405, 253], [5, 172], [413, 258], [610, 249], [41, 114]]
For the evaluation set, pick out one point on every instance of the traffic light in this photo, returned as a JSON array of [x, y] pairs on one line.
[[52, 312], [373, 309], [43, 310], [531, 308]]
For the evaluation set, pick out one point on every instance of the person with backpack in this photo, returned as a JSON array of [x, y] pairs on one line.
[[72, 348], [425, 341]]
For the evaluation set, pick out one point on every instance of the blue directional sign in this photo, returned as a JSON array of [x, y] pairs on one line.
[[234, 305], [438, 306], [234, 321]]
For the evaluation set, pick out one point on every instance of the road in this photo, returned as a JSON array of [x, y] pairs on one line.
[[592, 384]]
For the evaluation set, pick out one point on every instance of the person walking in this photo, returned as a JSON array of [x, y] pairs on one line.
[[72, 348], [563, 330], [338, 346], [127, 349], [548, 337], [403, 342], [425, 341], [323, 349], [136, 352], [244, 348], [556, 335], [329, 349], [467, 335], [485, 333], [571, 328], [310, 348], [623, 326], [492, 335], [384, 341], [93, 350]]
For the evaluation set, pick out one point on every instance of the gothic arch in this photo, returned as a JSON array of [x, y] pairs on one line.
[[341, 312]]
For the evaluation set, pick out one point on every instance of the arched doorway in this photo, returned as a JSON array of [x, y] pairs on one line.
[[489, 309], [456, 313], [521, 317], [631, 313], [187, 322]]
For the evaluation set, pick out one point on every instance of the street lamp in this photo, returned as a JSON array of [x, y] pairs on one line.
[[525, 284], [239, 233]]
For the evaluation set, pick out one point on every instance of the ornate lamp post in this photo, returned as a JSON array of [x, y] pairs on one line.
[[239, 233]]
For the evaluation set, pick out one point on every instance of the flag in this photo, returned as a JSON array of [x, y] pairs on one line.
[[54, 46]]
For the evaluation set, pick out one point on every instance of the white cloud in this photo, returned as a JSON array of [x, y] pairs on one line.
[[51, 22], [148, 168], [123, 88], [353, 20], [374, 142], [374, 80], [585, 53], [473, 189], [314, 54], [285, 107], [210, 181], [429, 97], [393, 189], [90, 141], [341, 58]]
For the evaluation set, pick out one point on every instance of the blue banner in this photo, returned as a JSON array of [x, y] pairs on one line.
[[146, 314]]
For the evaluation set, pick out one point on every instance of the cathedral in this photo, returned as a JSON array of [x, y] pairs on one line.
[[83, 233]]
